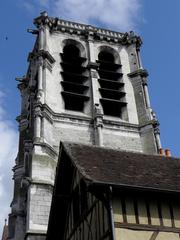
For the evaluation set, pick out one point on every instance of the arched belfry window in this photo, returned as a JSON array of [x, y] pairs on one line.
[[74, 78], [111, 85]]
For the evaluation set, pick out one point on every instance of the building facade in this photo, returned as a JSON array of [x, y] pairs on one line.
[[103, 193], [84, 84]]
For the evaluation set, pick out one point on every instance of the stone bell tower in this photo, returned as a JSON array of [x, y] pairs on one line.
[[84, 84]]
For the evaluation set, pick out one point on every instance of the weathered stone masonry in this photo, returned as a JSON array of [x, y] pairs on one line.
[[50, 110]]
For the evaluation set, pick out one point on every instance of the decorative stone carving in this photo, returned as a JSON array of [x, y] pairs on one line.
[[56, 24], [144, 81], [98, 116], [41, 53]]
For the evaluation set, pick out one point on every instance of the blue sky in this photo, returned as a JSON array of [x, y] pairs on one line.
[[156, 21]]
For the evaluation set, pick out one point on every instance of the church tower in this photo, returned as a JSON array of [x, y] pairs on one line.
[[85, 85]]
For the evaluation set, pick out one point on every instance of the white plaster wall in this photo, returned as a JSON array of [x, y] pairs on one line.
[[127, 234]]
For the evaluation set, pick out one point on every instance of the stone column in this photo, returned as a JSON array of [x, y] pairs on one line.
[[96, 111], [42, 127], [98, 125], [156, 131], [146, 96], [139, 58], [91, 50], [40, 94], [41, 37], [37, 124], [146, 93], [46, 30], [157, 137], [93, 66]]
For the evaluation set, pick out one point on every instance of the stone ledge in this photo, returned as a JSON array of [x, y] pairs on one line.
[[38, 234], [139, 72], [42, 183], [46, 145]]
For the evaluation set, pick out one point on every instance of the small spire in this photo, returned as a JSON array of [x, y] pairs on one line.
[[5, 230]]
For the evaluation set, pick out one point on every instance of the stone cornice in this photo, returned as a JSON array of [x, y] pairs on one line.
[[42, 183], [23, 82], [139, 72], [152, 123], [118, 124], [53, 116], [47, 146], [35, 233], [41, 53], [60, 25], [93, 65]]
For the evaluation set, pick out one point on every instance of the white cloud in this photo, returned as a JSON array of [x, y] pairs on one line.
[[8, 151], [33, 6], [121, 15]]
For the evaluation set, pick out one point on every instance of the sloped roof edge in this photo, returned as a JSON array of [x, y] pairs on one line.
[[105, 166]]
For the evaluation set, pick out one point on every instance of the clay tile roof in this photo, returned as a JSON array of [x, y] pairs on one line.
[[127, 169]]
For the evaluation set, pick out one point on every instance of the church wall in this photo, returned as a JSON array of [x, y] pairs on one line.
[[73, 130], [143, 115], [43, 168], [40, 201], [56, 103], [136, 110], [134, 63], [47, 131], [53, 89], [148, 140], [123, 57], [63, 125], [131, 106], [54, 97], [122, 140]]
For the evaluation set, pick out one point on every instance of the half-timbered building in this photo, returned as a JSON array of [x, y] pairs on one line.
[[108, 194]]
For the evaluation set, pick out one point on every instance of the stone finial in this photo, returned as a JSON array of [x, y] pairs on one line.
[[153, 115], [43, 20], [44, 14]]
